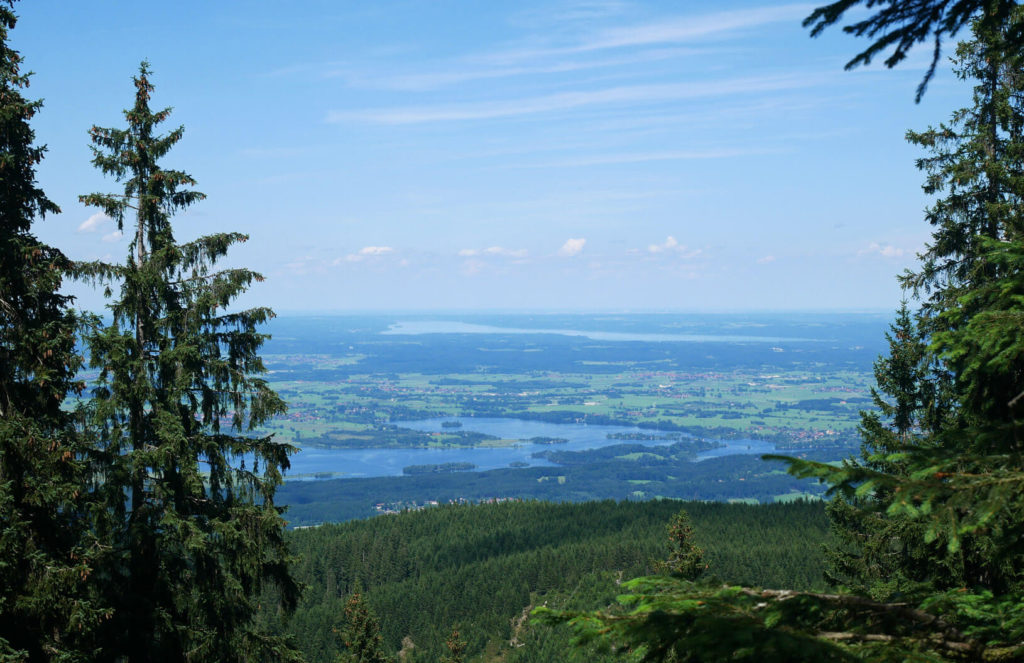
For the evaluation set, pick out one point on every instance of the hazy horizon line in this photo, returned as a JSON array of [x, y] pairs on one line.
[[561, 311]]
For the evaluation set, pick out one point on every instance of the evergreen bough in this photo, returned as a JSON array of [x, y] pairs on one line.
[[902, 24]]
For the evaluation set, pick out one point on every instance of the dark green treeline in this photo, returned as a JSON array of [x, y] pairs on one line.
[[479, 567]]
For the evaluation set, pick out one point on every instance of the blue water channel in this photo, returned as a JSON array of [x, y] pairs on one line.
[[342, 463]]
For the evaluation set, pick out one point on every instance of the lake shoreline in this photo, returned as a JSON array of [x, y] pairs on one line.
[[515, 451]]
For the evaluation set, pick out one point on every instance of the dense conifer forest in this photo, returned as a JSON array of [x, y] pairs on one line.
[[480, 568]]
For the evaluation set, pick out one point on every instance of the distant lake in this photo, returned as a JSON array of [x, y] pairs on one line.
[[417, 327], [389, 462]]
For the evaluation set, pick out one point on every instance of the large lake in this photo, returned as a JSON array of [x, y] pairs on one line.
[[389, 462], [416, 327]]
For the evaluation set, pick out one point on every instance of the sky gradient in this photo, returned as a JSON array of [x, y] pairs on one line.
[[589, 155]]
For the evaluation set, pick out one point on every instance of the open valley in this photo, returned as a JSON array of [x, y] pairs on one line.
[[391, 414]]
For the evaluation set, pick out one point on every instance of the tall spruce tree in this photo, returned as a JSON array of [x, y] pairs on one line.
[[976, 161], [969, 279], [185, 490], [44, 552], [977, 164]]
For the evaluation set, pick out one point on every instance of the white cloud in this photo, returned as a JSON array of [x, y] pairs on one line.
[[494, 251], [502, 251], [884, 250], [100, 222], [375, 250], [765, 260], [364, 253], [572, 246], [305, 265], [94, 223], [672, 245], [669, 244]]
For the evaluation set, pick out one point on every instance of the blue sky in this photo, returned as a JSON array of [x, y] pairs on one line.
[[566, 155]]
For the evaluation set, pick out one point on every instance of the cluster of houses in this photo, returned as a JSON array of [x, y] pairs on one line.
[[399, 507]]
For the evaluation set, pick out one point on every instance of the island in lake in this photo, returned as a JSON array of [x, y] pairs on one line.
[[548, 440], [438, 468]]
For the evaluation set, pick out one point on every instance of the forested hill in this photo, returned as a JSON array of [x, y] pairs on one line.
[[478, 567]]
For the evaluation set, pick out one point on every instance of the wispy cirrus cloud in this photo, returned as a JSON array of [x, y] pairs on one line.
[[678, 29], [575, 11], [641, 157], [464, 73], [636, 43], [624, 94], [690, 28]]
